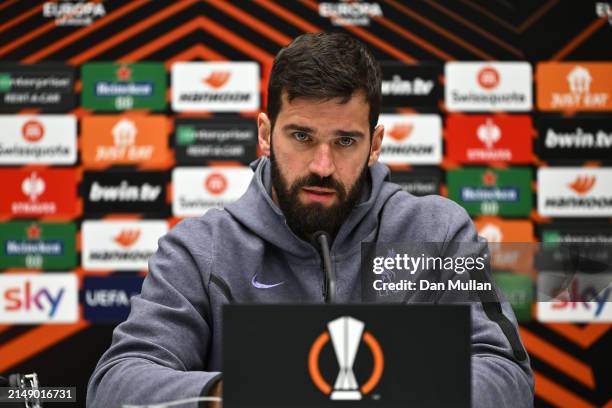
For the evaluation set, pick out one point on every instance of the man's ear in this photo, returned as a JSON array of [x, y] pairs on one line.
[[377, 138], [263, 133]]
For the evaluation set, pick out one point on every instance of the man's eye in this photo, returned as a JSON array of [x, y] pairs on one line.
[[346, 141], [301, 137]]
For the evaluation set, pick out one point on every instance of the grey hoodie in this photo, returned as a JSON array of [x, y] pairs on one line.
[[170, 346]]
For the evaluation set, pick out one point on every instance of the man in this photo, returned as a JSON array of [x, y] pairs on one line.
[[320, 143]]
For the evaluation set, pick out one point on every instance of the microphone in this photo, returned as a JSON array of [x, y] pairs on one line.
[[320, 240]]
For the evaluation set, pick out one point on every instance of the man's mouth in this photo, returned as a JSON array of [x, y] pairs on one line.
[[319, 194]]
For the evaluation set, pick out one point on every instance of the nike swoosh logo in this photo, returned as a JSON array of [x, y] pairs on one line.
[[260, 285]]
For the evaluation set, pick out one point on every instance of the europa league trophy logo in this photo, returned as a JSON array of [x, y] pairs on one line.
[[346, 334]]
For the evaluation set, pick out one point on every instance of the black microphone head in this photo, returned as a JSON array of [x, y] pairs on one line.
[[315, 238]]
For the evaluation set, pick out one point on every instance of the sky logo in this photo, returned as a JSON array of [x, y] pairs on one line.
[[38, 298], [589, 298], [586, 299]]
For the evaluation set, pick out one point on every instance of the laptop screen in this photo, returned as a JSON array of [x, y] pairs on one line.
[[346, 355]]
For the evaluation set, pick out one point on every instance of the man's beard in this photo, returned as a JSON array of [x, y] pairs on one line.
[[306, 219]]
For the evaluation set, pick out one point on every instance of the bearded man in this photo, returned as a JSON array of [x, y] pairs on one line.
[[319, 172]]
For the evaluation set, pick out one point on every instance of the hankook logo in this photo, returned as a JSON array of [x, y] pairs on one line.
[[583, 184], [217, 79], [346, 334]]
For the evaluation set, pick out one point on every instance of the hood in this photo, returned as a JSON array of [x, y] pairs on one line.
[[256, 211]]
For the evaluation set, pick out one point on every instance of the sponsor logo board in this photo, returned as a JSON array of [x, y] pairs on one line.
[[604, 10], [575, 192], [350, 13], [215, 86], [576, 232], [46, 86], [38, 139], [574, 139], [25, 244], [117, 87], [489, 138], [74, 14], [107, 299], [483, 191], [125, 192], [518, 290], [38, 193], [196, 190], [583, 299], [411, 139], [31, 298], [572, 86], [419, 181], [120, 245], [113, 139], [497, 230], [405, 85], [488, 86], [198, 141]]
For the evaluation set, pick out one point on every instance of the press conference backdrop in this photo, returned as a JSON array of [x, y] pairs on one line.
[[118, 119]]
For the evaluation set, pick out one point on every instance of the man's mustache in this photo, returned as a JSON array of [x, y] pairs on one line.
[[314, 180]]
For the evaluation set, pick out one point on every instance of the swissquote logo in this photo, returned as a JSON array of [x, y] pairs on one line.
[[575, 192], [346, 334], [120, 245], [196, 190], [488, 77], [43, 139], [27, 298], [574, 86], [215, 183], [411, 139], [483, 86], [215, 86]]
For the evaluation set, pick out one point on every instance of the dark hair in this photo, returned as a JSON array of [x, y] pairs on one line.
[[324, 66]]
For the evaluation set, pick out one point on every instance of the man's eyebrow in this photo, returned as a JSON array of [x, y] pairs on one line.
[[339, 132], [350, 133], [292, 126]]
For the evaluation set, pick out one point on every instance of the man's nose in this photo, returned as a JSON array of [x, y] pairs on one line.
[[323, 161]]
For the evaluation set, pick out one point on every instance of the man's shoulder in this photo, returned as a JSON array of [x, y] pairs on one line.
[[426, 218], [404, 202], [204, 225]]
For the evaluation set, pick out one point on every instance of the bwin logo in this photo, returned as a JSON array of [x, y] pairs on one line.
[[346, 334]]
